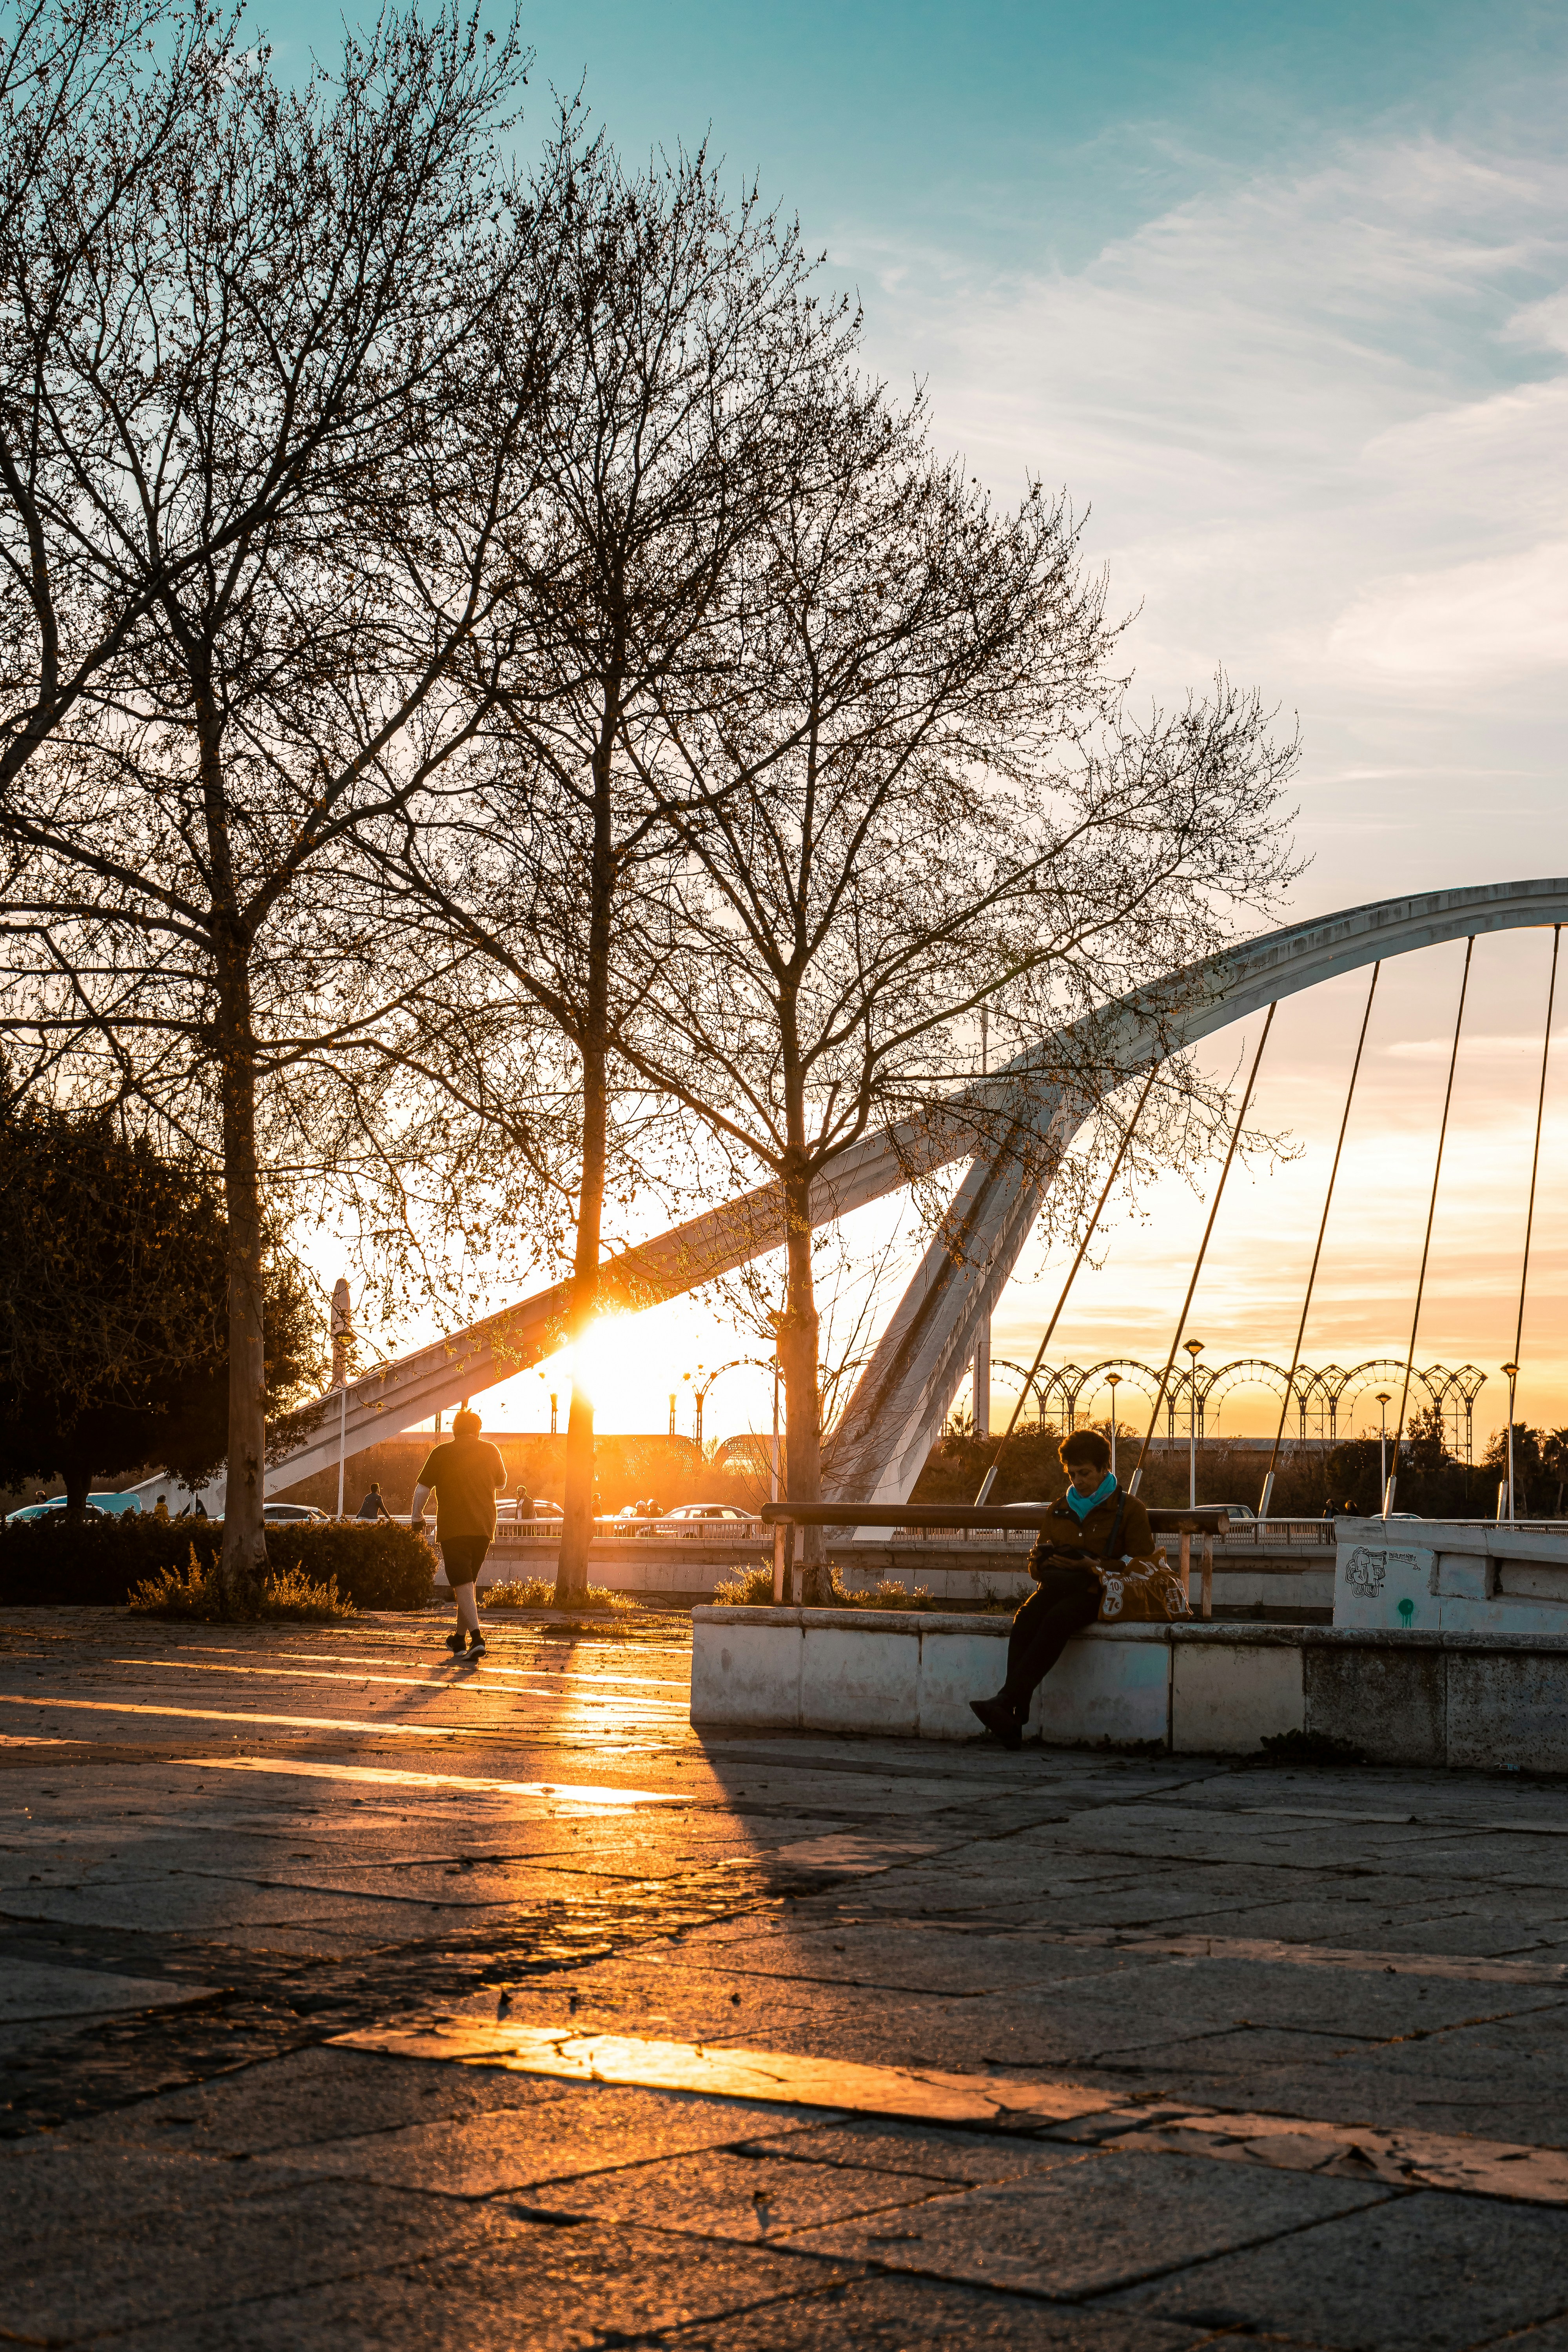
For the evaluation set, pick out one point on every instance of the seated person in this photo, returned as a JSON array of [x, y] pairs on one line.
[[1096, 1520]]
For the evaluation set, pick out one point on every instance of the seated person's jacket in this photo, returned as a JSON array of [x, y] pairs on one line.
[[1068, 1538]]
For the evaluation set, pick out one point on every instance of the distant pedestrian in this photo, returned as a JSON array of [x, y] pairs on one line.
[[524, 1501], [161, 1511], [465, 1476], [373, 1507], [1096, 1521]]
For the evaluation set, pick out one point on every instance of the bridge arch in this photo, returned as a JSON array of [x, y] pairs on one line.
[[903, 1396]]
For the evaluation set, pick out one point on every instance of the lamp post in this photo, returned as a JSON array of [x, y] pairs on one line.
[[1512, 1371], [1384, 1396], [1113, 1382], [774, 1480], [342, 1332], [1193, 1349]]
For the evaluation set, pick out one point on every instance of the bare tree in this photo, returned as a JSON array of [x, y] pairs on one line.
[[919, 795], [689, 347], [264, 436]]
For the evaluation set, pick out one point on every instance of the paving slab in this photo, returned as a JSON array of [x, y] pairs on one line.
[[504, 2285], [564, 2132], [1093, 2226], [1421, 2273], [30, 1989]]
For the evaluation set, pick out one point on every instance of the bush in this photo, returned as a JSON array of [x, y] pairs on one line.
[[538, 1592], [188, 1593], [98, 1563], [749, 1588]]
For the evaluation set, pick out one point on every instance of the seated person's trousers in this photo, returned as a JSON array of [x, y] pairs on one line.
[[1067, 1600]]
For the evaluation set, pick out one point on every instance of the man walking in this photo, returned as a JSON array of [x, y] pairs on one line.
[[465, 1476]]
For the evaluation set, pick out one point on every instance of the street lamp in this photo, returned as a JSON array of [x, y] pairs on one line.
[[1113, 1382], [1512, 1371], [1194, 1349], [1383, 1398]]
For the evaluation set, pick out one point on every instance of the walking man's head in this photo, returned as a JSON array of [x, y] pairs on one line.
[[1086, 1458], [465, 1424]]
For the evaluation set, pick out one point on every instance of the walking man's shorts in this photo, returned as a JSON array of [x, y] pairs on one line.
[[463, 1557]]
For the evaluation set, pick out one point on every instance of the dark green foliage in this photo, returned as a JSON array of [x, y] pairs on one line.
[[114, 1311], [95, 1564], [1308, 1748], [1432, 1483], [1540, 1469]]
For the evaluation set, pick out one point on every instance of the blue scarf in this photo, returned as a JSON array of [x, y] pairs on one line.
[[1081, 1506]]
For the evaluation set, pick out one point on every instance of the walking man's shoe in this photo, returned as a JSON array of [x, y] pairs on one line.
[[456, 1642], [476, 1646], [999, 1720]]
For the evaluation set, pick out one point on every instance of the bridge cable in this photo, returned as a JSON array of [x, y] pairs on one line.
[[1132, 1483], [1317, 1253], [990, 1478], [1427, 1244], [1530, 1213]]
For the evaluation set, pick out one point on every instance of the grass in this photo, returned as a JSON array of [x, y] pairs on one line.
[[753, 1588], [289, 1596], [538, 1592]]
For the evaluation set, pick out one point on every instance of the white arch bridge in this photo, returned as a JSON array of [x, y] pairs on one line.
[[902, 1397]]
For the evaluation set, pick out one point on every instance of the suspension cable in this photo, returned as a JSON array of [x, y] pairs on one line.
[[1530, 1213], [1202, 1250], [1317, 1253], [990, 1478], [1427, 1244]]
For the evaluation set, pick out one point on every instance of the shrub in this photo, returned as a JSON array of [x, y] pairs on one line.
[[98, 1563], [538, 1592], [749, 1588], [187, 1592]]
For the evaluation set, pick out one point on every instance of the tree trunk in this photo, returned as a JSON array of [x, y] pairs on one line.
[[242, 1567], [803, 1393], [79, 1486], [577, 1503]]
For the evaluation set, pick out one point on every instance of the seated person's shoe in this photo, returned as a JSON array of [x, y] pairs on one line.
[[999, 1720]]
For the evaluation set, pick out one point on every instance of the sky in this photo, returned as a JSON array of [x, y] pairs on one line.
[[1279, 294]]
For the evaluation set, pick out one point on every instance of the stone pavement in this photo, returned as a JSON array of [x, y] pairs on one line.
[[347, 1998]]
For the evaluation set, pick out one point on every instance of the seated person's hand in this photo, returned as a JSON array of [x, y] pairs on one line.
[[1042, 1563]]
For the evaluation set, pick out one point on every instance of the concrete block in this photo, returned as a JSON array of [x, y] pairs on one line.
[[1111, 1684], [1387, 1583], [1386, 1697], [1508, 1706], [1226, 1697], [855, 1678], [1465, 1576], [745, 1667], [957, 1664]]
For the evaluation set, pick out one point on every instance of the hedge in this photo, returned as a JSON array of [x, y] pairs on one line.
[[96, 1563]]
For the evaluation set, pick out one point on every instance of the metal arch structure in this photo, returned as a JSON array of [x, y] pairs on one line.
[[1040, 1389], [1092, 1380], [1451, 1390], [903, 1395]]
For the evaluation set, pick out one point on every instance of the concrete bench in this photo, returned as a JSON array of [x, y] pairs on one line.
[[1486, 1700]]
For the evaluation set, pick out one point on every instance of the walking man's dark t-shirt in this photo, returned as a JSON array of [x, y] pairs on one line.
[[467, 1473]]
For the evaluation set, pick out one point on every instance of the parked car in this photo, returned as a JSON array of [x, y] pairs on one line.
[[99, 1507], [707, 1511], [289, 1514]]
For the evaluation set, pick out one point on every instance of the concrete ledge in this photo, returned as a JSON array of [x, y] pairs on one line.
[[1482, 1700]]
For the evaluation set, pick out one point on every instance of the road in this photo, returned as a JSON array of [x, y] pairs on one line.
[[351, 1998]]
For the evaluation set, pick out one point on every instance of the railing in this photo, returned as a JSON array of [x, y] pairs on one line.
[[510, 1528]]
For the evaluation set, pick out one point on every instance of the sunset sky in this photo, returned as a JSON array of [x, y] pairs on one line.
[[1280, 295]]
